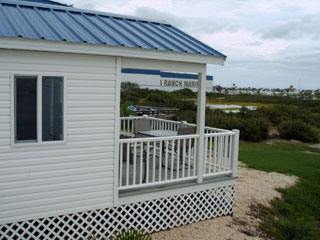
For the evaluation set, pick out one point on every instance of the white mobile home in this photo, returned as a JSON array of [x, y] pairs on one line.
[[70, 167]]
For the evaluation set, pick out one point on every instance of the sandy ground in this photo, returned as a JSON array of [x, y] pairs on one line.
[[253, 187], [315, 146], [272, 141]]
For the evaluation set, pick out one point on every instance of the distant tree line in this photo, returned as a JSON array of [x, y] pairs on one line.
[[293, 118]]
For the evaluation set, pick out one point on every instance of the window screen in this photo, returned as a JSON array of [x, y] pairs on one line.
[[52, 108], [26, 108]]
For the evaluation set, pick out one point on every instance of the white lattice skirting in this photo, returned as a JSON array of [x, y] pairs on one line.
[[149, 216]]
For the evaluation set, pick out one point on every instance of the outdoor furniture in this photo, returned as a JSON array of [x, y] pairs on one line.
[[189, 144], [151, 133], [187, 131], [141, 125], [125, 150], [158, 133], [138, 126]]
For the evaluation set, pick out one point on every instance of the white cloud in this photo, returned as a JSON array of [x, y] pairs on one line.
[[235, 45], [304, 27]]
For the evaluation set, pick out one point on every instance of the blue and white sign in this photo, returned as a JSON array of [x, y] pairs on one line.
[[168, 81]]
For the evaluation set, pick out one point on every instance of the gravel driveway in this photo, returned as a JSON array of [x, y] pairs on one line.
[[253, 187]]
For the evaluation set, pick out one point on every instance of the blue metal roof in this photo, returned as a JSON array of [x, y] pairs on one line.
[[47, 2], [35, 20], [164, 74]]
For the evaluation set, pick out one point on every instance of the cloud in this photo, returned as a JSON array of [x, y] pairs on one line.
[[156, 15], [192, 25], [254, 43], [291, 30]]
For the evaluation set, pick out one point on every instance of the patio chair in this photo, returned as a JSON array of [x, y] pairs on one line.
[[186, 131], [124, 156], [188, 142], [141, 125], [125, 150]]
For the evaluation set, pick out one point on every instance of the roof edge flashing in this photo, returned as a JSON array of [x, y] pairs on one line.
[[106, 50]]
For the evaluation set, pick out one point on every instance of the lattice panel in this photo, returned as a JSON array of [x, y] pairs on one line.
[[149, 216]]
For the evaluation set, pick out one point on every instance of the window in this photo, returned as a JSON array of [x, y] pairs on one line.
[[39, 108], [52, 108], [26, 108]]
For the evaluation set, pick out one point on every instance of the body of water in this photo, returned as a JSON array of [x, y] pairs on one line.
[[230, 107]]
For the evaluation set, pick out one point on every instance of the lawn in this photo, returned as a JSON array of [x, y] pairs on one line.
[[297, 216]]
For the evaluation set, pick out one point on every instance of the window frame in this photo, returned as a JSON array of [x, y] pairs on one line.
[[38, 141]]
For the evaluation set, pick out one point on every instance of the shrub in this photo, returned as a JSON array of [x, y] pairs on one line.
[[188, 115], [129, 87], [251, 128], [185, 92], [124, 111], [131, 234], [280, 113], [187, 105], [161, 99], [298, 130]]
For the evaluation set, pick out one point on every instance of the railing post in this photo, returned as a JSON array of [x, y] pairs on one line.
[[235, 153], [201, 110], [117, 131]]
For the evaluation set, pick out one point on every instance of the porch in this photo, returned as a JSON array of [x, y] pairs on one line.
[[173, 159]]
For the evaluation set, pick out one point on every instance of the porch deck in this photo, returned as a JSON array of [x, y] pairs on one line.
[[155, 161]]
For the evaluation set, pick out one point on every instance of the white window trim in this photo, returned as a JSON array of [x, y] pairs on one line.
[[39, 141]]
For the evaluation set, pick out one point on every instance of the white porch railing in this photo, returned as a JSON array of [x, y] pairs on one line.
[[218, 153], [164, 160], [159, 160], [127, 125]]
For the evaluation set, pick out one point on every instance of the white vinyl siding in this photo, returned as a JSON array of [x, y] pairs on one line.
[[77, 175]]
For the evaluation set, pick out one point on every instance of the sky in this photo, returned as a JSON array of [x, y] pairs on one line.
[[268, 43]]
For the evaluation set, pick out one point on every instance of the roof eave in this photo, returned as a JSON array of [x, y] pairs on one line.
[[85, 48]]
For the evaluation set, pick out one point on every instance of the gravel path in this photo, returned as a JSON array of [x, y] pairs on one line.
[[253, 187]]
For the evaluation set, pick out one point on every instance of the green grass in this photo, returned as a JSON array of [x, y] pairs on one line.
[[297, 215]]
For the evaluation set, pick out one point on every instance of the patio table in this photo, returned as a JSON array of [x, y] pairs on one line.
[[155, 133], [159, 133]]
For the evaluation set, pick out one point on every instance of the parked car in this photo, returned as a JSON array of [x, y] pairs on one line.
[[151, 110], [134, 108]]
